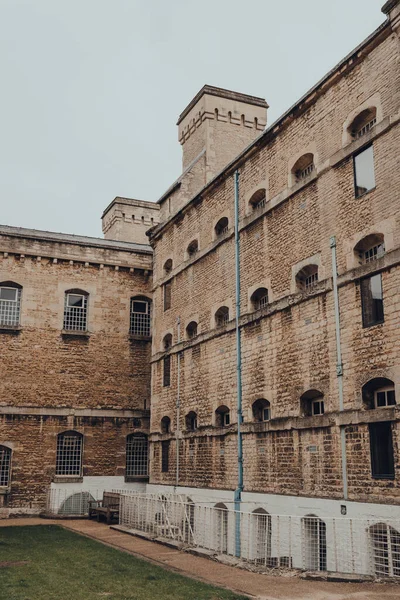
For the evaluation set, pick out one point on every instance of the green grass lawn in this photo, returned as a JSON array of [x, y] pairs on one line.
[[61, 565]]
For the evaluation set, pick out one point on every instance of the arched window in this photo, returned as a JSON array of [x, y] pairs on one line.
[[75, 310], [261, 410], [261, 530], [167, 341], [193, 248], [165, 425], [258, 199], [221, 529], [222, 316], [307, 278], [370, 248], [314, 541], [303, 168], [378, 393], [223, 418], [168, 266], [363, 123], [136, 455], [312, 403], [191, 330], [191, 421], [10, 303], [140, 321], [385, 550], [259, 298], [5, 466], [69, 454], [221, 227]]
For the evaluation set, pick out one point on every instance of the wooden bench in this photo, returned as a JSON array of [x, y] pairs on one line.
[[108, 506]]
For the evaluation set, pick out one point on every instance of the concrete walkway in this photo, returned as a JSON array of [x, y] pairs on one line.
[[262, 587]]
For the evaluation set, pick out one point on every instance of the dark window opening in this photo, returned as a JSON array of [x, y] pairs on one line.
[[191, 421], [165, 425], [261, 410], [372, 300], [191, 330], [167, 371], [381, 446], [223, 416], [167, 295], [165, 456], [222, 226]]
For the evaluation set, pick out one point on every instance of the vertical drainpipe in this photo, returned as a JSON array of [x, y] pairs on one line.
[[178, 402], [238, 491], [339, 364]]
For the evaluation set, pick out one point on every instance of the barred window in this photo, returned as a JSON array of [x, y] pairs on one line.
[[385, 547], [140, 323], [137, 450], [363, 123], [370, 248], [5, 465], [259, 298], [258, 199], [222, 316], [307, 278], [75, 310], [303, 168], [10, 303], [221, 227], [69, 454]]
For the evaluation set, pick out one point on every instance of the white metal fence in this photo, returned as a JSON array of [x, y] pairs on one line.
[[67, 502], [343, 545]]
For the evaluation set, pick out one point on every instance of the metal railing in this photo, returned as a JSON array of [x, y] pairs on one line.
[[309, 543]]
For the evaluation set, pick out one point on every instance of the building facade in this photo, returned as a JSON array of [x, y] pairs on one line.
[[119, 356]]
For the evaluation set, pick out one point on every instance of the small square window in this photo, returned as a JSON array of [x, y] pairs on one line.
[[318, 407], [364, 172]]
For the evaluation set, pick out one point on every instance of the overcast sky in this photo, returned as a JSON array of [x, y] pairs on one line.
[[91, 89]]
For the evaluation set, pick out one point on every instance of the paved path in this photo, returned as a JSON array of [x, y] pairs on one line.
[[262, 587]]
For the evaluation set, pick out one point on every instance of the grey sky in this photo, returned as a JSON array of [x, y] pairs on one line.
[[91, 89]]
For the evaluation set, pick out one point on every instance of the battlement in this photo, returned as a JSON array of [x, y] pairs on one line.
[[128, 219]]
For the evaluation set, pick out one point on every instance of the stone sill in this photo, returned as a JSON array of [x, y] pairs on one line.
[[137, 479], [4, 491], [75, 334], [66, 479], [10, 329]]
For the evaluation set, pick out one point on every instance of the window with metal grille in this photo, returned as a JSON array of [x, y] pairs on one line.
[[69, 454], [10, 304], [75, 311], [167, 371], [303, 168], [370, 248], [363, 123], [222, 226], [258, 199], [372, 300], [381, 447], [137, 451], [374, 253], [165, 456], [140, 321], [385, 550], [314, 543], [167, 295], [364, 171], [5, 466], [307, 278], [222, 316], [259, 298]]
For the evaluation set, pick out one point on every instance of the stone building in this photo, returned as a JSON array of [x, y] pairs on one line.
[[318, 314]]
